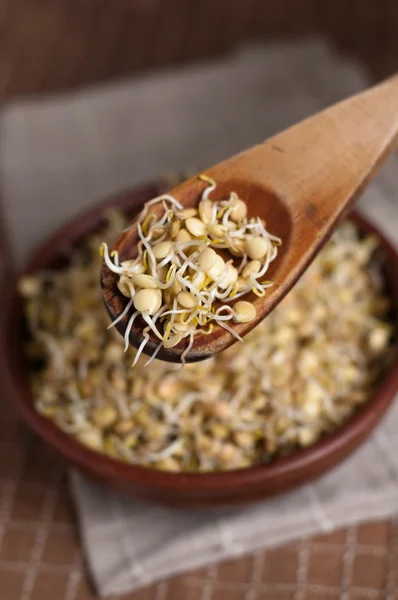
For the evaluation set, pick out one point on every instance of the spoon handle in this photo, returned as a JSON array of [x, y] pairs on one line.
[[322, 164]]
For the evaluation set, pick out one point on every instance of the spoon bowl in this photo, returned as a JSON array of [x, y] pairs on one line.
[[269, 207], [301, 182]]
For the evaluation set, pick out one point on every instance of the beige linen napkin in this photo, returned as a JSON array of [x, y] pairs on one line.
[[58, 156]]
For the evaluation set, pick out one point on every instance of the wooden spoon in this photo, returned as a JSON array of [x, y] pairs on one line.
[[302, 182]]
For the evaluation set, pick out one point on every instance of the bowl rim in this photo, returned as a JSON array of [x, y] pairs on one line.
[[16, 382]]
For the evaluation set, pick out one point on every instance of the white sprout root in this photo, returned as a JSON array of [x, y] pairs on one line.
[[179, 276]]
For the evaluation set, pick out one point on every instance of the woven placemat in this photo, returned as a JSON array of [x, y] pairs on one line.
[[40, 558]]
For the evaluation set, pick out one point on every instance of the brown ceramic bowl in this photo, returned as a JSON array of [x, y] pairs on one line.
[[188, 490]]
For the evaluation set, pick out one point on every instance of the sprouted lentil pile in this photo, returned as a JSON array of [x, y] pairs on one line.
[[177, 277], [302, 372]]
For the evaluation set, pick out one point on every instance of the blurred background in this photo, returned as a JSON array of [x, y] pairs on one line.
[[53, 45]]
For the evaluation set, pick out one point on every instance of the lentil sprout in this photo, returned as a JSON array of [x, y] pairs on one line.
[[177, 277], [302, 372]]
